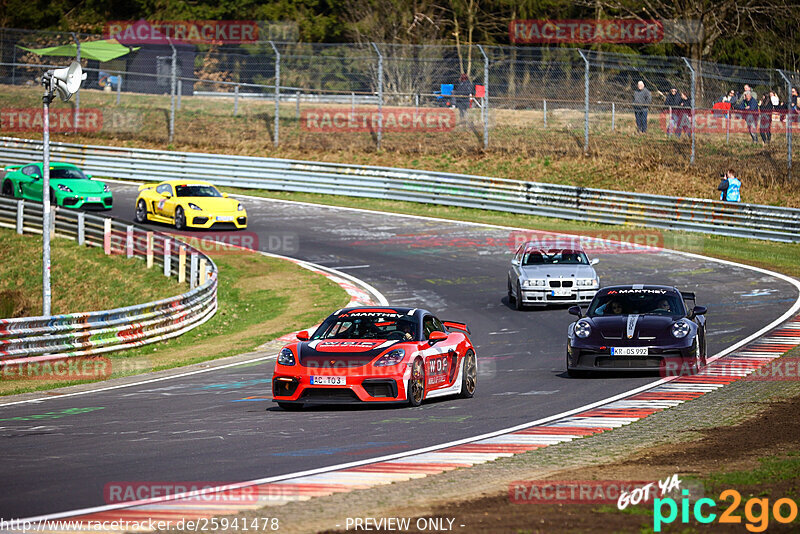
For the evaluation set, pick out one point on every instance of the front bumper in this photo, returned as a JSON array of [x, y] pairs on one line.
[[543, 296], [100, 201], [669, 360], [362, 386], [202, 219]]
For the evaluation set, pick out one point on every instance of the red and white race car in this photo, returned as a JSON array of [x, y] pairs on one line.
[[376, 354]]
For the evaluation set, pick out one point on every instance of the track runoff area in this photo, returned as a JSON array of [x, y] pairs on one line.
[[205, 427]]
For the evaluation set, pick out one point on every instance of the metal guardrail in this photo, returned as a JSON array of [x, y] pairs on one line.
[[98, 332], [516, 196]]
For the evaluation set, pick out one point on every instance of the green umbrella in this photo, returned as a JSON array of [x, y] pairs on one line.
[[98, 50]]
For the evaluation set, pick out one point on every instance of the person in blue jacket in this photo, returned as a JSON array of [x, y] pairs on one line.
[[730, 187]]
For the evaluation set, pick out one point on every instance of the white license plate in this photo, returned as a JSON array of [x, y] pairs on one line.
[[225, 219], [328, 381], [629, 351], [561, 292], [93, 199]]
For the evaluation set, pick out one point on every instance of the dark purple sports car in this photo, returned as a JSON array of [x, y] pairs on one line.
[[638, 328]]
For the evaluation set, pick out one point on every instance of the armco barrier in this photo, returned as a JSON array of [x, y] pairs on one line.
[[516, 196], [98, 332]]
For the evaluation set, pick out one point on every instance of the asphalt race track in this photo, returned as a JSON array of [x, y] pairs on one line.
[[221, 426]]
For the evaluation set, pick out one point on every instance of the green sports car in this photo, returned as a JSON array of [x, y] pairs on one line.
[[69, 187]]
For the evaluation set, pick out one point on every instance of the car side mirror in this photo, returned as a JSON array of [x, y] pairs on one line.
[[89, 176], [166, 194], [303, 336], [436, 336], [575, 310], [594, 261], [36, 177], [699, 310], [224, 195], [515, 261]]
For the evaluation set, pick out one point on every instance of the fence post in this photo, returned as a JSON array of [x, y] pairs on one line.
[[352, 102], [297, 105], [277, 91], [380, 95], [129, 241], [788, 123], [193, 270], [167, 257], [544, 108], [180, 93], [585, 102], [149, 250], [694, 90], [416, 102], [107, 236], [485, 108], [20, 215], [236, 100], [613, 115], [81, 228], [172, 84], [119, 86], [77, 110], [181, 264], [202, 272]]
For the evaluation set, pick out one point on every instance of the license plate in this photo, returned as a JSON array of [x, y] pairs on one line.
[[225, 219], [328, 381], [561, 292], [93, 199], [629, 351]]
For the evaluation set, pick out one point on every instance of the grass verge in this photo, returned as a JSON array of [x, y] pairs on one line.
[[258, 301], [782, 257]]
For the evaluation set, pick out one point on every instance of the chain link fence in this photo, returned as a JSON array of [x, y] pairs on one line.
[[531, 101]]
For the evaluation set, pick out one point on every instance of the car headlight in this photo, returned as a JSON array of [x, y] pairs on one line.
[[391, 358], [286, 357], [64, 188], [240, 208], [194, 206], [587, 282], [533, 282], [582, 329], [106, 189], [680, 329]]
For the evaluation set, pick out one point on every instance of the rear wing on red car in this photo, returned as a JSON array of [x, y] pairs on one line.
[[688, 295], [458, 326]]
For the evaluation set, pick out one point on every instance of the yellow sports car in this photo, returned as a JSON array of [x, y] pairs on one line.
[[189, 204]]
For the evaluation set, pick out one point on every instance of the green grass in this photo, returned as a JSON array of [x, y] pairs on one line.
[[782, 257]]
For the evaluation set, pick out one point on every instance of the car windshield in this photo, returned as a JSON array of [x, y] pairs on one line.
[[67, 173], [367, 326], [555, 256], [642, 303], [197, 191]]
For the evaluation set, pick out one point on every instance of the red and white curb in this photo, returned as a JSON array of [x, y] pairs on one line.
[[601, 417]]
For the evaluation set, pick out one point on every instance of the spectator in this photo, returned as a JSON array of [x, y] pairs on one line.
[[765, 109], [684, 115], [463, 95], [747, 89], [792, 107], [730, 97], [729, 187], [641, 100], [749, 108], [671, 102]]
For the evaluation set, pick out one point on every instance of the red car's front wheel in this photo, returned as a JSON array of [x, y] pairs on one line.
[[416, 384]]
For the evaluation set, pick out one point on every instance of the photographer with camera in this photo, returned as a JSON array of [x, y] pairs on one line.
[[729, 187]]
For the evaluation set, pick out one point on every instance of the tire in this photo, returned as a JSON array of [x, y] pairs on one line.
[[140, 215], [8, 189], [510, 293], [290, 406], [572, 373], [469, 376], [416, 384], [518, 301], [180, 219]]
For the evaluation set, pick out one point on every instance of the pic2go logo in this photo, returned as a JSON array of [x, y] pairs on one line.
[[756, 511]]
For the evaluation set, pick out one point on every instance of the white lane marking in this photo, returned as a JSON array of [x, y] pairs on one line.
[[347, 267]]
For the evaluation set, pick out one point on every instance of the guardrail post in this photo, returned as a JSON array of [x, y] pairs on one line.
[[167, 257], [613, 115], [379, 136], [81, 228], [193, 270], [277, 92], [694, 90], [788, 123], [485, 108], [235, 100], [20, 215], [585, 102], [149, 250], [544, 110], [107, 236], [202, 271], [181, 264], [129, 241]]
